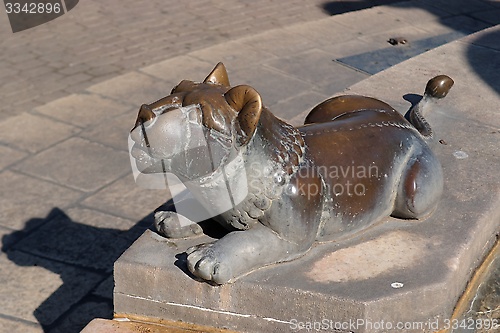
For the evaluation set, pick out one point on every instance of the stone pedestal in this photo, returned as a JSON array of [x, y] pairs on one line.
[[400, 275]]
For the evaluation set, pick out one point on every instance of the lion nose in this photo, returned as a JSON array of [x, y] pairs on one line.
[[145, 114]]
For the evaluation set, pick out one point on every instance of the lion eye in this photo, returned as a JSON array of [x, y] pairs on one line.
[[194, 115], [165, 108]]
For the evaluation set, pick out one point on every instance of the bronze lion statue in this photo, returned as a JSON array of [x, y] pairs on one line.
[[277, 188]]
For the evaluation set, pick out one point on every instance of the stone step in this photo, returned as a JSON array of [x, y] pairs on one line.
[[135, 326]]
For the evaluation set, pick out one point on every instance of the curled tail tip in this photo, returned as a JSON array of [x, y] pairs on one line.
[[439, 86]]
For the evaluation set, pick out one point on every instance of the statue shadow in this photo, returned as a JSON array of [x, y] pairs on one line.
[[412, 98], [341, 7], [81, 255]]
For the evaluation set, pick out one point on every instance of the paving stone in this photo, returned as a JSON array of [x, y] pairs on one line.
[[101, 70], [133, 88], [101, 79], [135, 59], [49, 87], [69, 241], [459, 6], [344, 7], [78, 163], [411, 34], [470, 64], [72, 68], [272, 85], [345, 77], [9, 156], [22, 99], [464, 24], [489, 38], [82, 314], [96, 219], [93, 34], [36, 72], [377, 44], [27, 202], [327, 75], [376, 61], [297, 104], [49, 97], [9, 237], [490, 16], [83, 110], [482, 145], [24, 57], [415, 12], [38, 290], [7, 72], [324, 31], [114, 131], [233, 55], [180, 68], [370, 21], [8, 325], [78, 81], [13, 87], [105, 289], [125, 198], [277, 42], [38, 132], [351, 47], [32, 64]]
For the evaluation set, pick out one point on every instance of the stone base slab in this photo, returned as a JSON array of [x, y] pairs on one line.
[[397, 273]]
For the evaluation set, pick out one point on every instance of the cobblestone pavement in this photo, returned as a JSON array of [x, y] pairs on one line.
[[99, 40], [70, 91]]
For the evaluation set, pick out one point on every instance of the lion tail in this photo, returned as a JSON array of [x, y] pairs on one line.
[[437, 88]]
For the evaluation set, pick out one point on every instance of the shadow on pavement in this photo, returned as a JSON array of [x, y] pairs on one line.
[[461, 18], [341, 7], [83, 257], [481, 60]]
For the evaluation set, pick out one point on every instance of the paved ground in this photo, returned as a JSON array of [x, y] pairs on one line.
[[97, 41], [70, 90]]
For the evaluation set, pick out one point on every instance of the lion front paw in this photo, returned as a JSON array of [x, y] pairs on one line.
[[172, 225], [205, 262]]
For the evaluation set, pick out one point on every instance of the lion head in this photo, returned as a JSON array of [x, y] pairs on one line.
[[201, 124]]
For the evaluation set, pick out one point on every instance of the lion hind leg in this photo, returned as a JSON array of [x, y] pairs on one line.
[[419, 189]]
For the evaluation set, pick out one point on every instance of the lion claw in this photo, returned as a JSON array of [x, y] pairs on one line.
[[172, 225], [204, 262]]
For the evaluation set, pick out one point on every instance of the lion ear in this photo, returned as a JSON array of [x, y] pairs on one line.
[[248, 103], [218, 75]]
